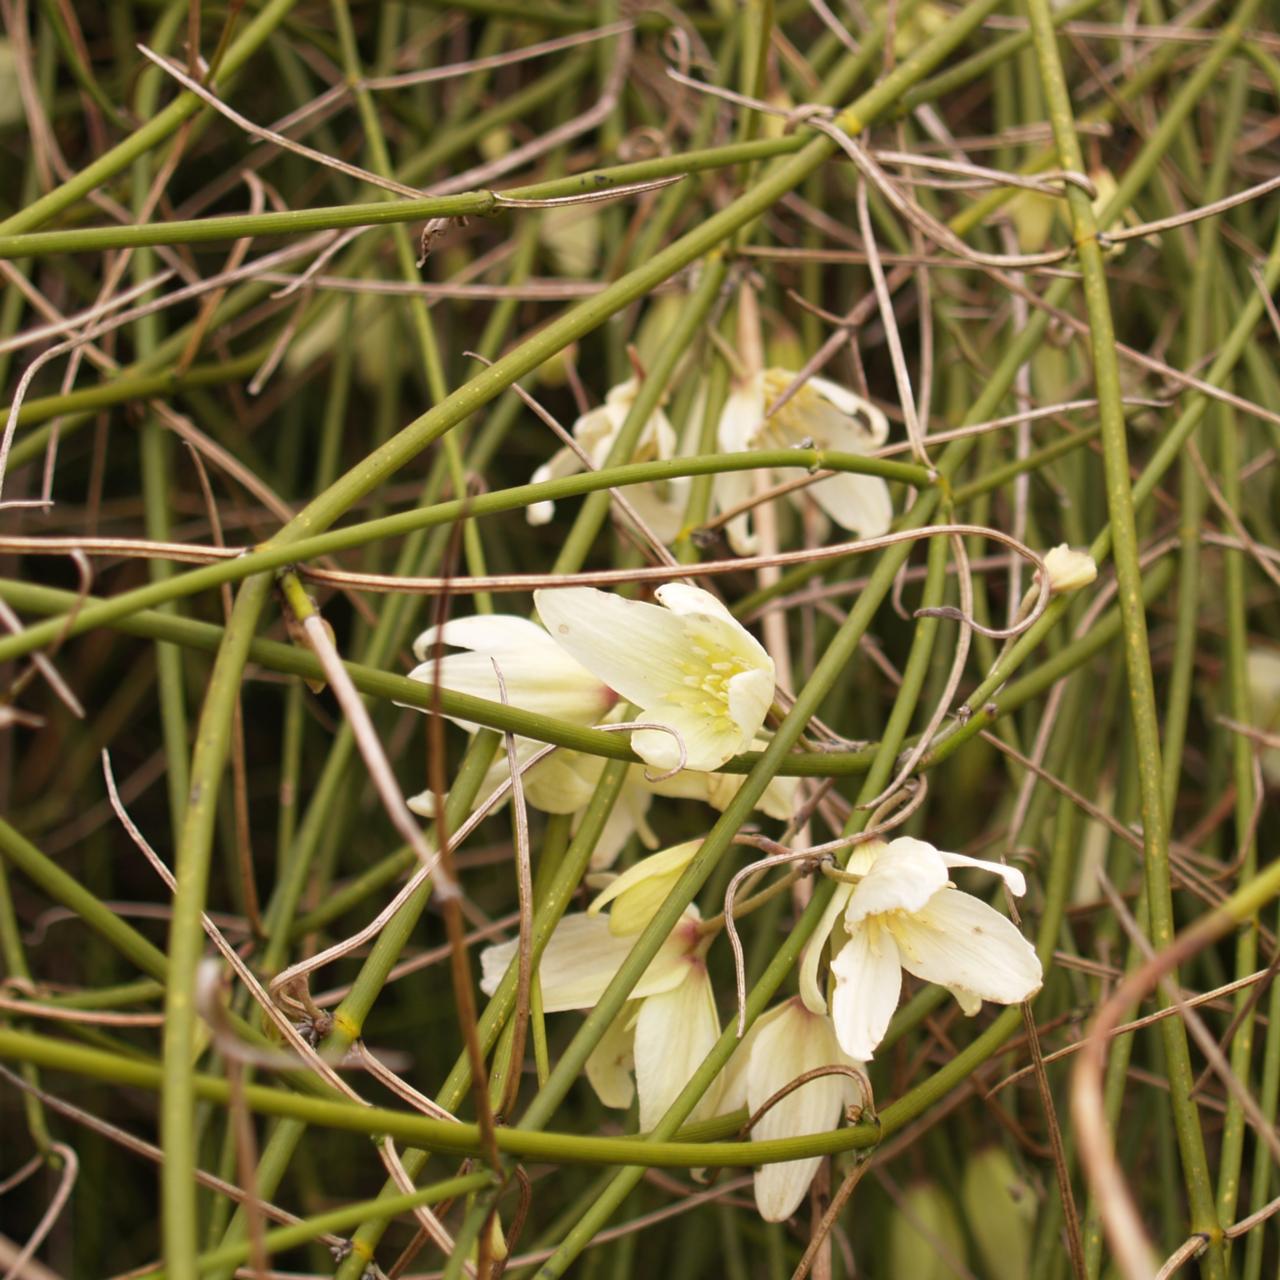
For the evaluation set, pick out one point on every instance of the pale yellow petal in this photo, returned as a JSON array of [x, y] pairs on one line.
[[793, 1044], [609, 1065], [674, 1033]]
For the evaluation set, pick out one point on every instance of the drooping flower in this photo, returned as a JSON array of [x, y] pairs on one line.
[[539, 674], [564, 781], [782, 1045], [820, 415], [665, 1029], [686, 662], [1069, 570], [904, 913], [661, 507]]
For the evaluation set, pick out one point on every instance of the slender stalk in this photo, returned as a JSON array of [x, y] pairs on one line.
[[1136, 649]]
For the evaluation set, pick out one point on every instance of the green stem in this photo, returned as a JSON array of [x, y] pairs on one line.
[[1136, 649], [279, 554], [151, 133]]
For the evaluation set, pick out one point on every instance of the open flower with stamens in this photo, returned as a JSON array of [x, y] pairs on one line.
[[661, 507], [686, 662], [820, 415], [904, 913], [782, 1045], [665, 1029]]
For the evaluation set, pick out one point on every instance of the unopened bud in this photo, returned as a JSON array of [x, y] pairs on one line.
[[1069, 570]]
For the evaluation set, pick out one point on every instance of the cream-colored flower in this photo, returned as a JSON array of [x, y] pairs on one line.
[[904, 913], [820, 415], [539, 676], [686, 662], [538, 673], [664, 1031], [1069, 570], [783, 1044], [661, 507]]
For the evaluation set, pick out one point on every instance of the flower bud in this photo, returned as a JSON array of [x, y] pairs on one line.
[[1069, 570], [1000, 1208], [571, 235]]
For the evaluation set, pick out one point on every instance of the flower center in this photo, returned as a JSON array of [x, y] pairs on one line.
[[799, 419], [705, 673]]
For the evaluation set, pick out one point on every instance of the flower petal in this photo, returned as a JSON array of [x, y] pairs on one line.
[[562, 783], [795, 1042], [564, 462], [750, 697], [870, 421], [811, 993], [1010, 875], [957, 940], [580, 959], [905, 875], [741, 417], [674, 1033], [857, 503], [596, 429], [708, 740], [682, 599], [629, 644], [538, 674], [495, 633], [640, 890], [868, 977], [609, 1064], [733, 1094]]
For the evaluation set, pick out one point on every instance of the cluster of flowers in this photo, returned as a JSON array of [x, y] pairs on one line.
[[818, 415], [701, 686], [697, 675]]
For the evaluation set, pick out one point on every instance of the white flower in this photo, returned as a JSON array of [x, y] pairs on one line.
[[782, 1045], [660, 507], [686, 662], [1069, 570], [664, 1031], [905, 914], [538, 673], [821, 415]]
